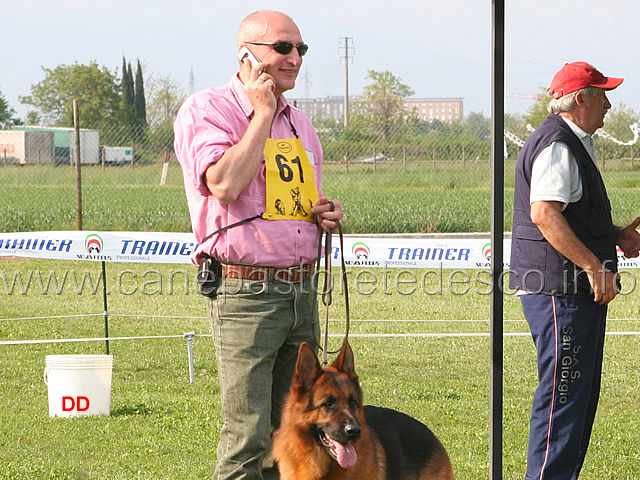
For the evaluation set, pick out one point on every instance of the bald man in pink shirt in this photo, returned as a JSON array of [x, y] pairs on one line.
[[252, 166]]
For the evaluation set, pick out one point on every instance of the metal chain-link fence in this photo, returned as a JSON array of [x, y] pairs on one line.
[[412, 177]]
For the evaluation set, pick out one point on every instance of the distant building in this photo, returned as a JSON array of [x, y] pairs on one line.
[[64, 140], [443, 109], [327, 107]]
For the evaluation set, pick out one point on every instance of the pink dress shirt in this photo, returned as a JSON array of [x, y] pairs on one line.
[[207, 124]]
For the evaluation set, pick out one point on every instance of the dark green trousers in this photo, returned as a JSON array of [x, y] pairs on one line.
[[257, 329]]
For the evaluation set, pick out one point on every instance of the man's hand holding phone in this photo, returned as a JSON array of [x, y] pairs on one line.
[[245, 54], [259, 85]]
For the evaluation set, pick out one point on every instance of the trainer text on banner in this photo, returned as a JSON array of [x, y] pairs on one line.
[[419, 251]]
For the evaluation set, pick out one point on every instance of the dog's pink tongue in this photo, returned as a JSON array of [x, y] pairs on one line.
[[346, 455]]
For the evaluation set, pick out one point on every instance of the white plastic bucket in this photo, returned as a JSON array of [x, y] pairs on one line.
[[78, 385]]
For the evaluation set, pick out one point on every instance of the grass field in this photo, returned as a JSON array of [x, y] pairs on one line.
[[395, 198], [163, 427]]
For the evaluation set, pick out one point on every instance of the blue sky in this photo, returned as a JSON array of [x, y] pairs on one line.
[[439, 49]]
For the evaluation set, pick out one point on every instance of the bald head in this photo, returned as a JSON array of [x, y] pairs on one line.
[[262, 31], [257, 25]]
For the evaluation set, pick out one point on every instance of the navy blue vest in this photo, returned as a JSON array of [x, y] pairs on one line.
[[535, 265]]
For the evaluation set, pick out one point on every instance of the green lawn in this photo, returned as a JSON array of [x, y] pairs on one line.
[[395, 198], [163, 427]]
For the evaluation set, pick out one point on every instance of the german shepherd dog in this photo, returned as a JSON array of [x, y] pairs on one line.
[[327, 434]]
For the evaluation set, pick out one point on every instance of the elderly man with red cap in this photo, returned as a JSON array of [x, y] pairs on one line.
[[564, 267]]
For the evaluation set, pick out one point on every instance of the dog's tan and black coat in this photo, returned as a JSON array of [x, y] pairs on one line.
[[327, 434]]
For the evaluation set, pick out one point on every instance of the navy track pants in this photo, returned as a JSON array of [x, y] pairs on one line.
[[569, 337]]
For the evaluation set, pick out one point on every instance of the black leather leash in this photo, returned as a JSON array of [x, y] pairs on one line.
[[233, 225]]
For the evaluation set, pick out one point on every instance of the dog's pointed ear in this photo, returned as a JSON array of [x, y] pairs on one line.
[[308, 368], [345, 362]]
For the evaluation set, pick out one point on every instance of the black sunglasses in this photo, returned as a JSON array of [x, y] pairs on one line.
[[285, 47]]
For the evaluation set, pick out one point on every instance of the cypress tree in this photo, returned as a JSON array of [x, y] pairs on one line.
[[130, 86], [127, 107], [139, 102], [123, 82]]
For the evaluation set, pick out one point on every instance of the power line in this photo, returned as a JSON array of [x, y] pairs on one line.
[[307, 83], [192, 82], [344, 53]]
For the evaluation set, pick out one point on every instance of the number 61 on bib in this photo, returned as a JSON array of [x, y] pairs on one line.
[[290, 181]]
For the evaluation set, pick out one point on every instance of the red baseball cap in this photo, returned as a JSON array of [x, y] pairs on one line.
[[577, 75]]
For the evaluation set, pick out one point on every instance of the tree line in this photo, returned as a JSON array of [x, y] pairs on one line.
[[131, 106], [380, 124], [143, 107]]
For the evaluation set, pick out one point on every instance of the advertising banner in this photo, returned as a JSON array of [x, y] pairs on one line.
[[128, 247], [391, 251]]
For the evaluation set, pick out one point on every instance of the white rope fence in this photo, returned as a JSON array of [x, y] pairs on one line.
[[635, 129], [435, 320], [362, 335], [333, 335], [189, 336]]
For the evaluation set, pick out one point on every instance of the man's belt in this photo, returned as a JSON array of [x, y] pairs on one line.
[[258, 273]]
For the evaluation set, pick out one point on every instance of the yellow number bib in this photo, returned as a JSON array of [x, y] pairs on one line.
[[290, 179]]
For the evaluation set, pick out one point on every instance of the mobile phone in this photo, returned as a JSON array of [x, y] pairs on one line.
[[246, 53]]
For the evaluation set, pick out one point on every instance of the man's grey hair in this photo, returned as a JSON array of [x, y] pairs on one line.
[[567, 103]]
